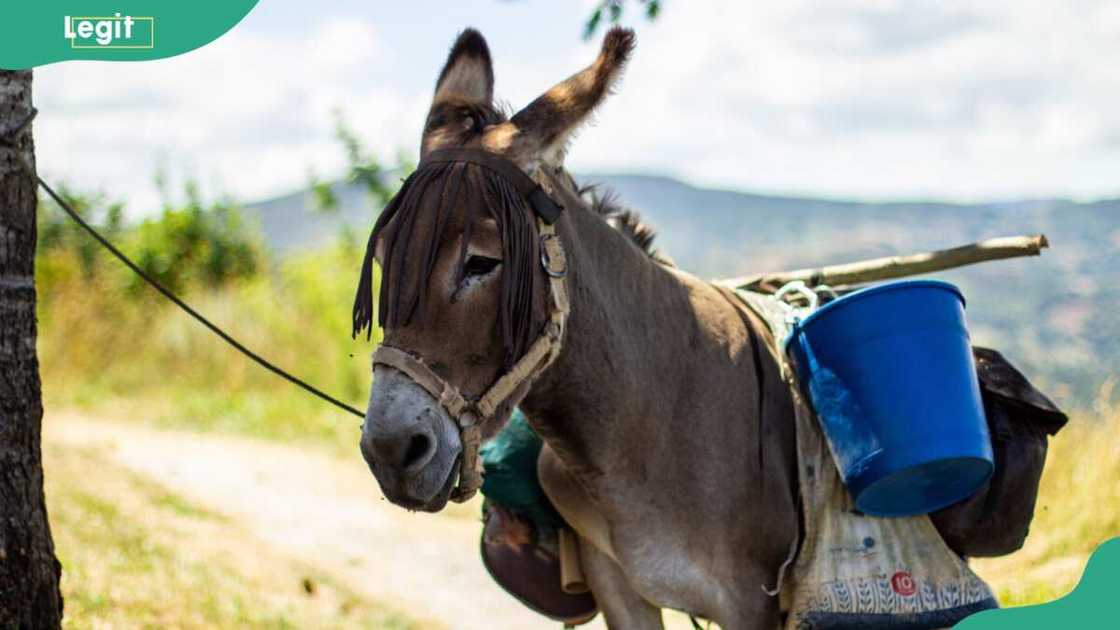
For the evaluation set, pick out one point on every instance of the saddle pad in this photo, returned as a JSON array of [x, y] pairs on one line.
[[510, 480], [855, 570]]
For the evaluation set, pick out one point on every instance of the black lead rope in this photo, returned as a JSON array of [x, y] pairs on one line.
[[8, 139]]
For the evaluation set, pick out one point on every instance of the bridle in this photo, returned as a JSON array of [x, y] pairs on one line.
[[470, 414]]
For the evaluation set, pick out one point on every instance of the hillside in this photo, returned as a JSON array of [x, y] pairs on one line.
[[1055, 315]]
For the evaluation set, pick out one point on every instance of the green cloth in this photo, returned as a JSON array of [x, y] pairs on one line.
[[510, 480]]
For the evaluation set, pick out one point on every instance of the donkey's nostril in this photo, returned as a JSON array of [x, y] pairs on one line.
[[407, 451], [418, 452]]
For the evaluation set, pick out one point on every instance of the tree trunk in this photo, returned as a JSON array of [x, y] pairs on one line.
[[29, 572]]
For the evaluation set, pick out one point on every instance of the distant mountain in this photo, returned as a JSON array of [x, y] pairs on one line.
[[1057, 316], [291, 222]]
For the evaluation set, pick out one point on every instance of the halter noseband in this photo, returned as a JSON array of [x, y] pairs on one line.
[[470, 414]]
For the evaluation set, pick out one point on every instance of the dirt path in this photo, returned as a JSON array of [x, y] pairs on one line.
[[324, 510]]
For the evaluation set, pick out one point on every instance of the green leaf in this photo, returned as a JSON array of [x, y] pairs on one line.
[[323, 198], [593, 23]]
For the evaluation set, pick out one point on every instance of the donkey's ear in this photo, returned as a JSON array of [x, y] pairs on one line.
[[541, 131], [468, 74]]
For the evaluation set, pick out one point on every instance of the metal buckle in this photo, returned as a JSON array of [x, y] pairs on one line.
[[546, 262]]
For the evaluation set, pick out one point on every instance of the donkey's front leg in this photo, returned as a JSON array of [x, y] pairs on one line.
[[622, 607]]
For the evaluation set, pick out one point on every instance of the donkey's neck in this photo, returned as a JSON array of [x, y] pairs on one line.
[[668, 411], [635, 334]]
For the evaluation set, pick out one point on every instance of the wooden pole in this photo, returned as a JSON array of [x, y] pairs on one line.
[[895, 266]]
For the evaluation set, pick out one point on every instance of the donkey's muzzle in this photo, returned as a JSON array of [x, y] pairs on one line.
[[409, 442]]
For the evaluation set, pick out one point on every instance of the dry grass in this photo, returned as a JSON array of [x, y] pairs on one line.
[[106, 348], [135, 555], [1078, 509]]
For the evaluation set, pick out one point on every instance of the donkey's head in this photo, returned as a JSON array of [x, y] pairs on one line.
[[463, 292]]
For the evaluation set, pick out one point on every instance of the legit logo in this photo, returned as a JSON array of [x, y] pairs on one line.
[[116, 31]]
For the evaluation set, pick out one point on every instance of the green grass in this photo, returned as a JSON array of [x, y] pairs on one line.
[[136, 555]]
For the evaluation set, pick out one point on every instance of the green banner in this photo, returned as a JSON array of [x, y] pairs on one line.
[[42, 32], [1092, 604]]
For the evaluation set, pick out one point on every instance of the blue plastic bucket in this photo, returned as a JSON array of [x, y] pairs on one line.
[[890, 373]]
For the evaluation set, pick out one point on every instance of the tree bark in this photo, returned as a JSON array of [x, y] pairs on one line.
[[29, 573]]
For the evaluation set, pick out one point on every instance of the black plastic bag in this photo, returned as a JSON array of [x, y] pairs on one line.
[[995, 520]]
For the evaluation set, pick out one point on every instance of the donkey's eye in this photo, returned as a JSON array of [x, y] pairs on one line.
[[477, 266]]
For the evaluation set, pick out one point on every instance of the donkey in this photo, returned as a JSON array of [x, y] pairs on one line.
[[668, 431]]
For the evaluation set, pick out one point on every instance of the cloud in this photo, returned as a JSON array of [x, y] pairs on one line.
[[865, 98], [884, 27], [984, 99], [247, 115]]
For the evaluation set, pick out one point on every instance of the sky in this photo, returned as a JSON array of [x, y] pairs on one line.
[[856, 99]]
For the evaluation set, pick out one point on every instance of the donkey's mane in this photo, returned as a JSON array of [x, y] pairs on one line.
[[626, 220]]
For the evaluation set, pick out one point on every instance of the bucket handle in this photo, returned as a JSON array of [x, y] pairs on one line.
[[799, 287], [795, 314]]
